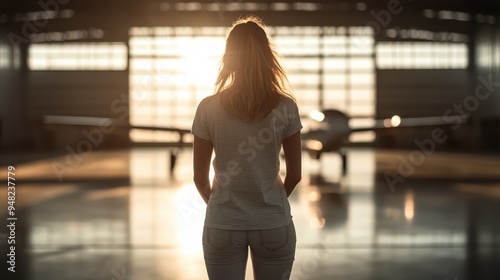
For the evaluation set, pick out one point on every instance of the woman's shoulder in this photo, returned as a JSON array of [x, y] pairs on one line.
[[209, 100], [287, 101]]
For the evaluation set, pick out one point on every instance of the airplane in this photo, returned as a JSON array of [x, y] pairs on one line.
[[330, 131]]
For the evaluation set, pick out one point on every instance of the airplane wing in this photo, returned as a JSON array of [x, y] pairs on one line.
[[396, 121], [332, 129], [108, 122], [97, 121]]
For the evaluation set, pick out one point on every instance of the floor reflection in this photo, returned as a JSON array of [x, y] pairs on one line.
[[435, 225]]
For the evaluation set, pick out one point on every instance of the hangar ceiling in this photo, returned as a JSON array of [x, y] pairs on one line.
[[116, 15]]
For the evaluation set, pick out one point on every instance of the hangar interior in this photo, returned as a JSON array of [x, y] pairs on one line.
[[99, 202]]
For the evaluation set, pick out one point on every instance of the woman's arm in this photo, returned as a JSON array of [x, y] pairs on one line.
[[202, 154], [293, 159]]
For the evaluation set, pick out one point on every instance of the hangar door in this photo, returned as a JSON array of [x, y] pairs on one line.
[[173, 68]]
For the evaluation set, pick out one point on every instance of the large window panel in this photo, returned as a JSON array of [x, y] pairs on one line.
[[336, 98], [362, 96], [5, 56], [361, 109], [77, 56], [421, 55], [335, 45], [361, 45], [335, 79], [298, 64], [173, 68], [335, 64], [363, 80]]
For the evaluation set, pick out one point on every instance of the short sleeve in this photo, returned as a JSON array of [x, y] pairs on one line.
[[200, 123], [294, 124]]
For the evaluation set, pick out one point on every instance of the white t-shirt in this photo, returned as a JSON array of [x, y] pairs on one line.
[[247, 192]]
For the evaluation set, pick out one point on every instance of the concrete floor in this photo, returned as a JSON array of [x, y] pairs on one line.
[[119, 215]]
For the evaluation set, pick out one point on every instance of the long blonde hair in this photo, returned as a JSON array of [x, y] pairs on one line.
[[251, 81]]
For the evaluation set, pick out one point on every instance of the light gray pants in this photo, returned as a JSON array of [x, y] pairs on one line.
[[272, 252]]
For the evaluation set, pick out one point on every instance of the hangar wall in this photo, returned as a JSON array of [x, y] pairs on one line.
[[487, 53], [12, 101]]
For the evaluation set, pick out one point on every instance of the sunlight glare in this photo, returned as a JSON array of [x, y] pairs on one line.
[[317, 115], [409, 207], [190, 217], [200, 62], [395, 120]]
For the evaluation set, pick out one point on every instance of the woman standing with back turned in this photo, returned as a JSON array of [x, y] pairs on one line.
[[246, 122]]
